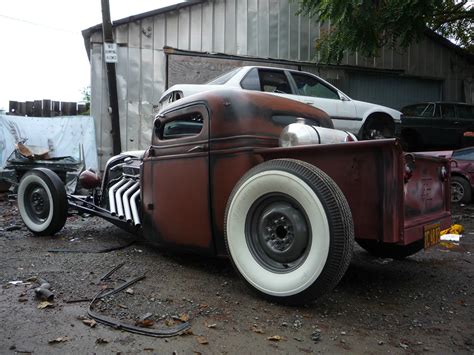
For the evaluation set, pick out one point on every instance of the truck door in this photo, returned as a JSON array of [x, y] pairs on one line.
[[176, 180]]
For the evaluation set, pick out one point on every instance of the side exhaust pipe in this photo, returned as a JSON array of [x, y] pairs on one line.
[[113, 209], [126, 201], [118, 197], [134, 209]]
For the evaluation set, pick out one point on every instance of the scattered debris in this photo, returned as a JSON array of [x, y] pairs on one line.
[[45, 304], [202, 340], [129, 291], [276, 338], [90, 322], [58, 340], [403, 346], [145, 323], [213, 325], [43, 291], [451, 237], [163, 332], [12, 228], [101, 341], [108, 274], [256, 329], [316, 336]]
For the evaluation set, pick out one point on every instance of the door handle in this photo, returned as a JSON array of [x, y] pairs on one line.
[[197, 148]]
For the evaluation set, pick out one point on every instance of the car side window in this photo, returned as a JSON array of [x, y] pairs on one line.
[[251, 81], [310, 86], [465, 111], [274, 81], [186, 125], [447, 111], [428, 111]]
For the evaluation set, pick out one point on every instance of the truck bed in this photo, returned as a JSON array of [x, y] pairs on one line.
[[371, 174]]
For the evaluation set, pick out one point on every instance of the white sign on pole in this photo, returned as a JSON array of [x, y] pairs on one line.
[[110, 52]]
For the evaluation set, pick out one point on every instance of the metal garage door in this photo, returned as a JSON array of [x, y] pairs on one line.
[[392, 91]]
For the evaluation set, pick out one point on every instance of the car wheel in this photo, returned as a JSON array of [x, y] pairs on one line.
[[42, 201], [289, 231], [460, 190], [378, 129], [393, 251]]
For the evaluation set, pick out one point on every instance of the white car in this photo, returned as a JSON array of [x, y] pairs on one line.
[[366, 120]]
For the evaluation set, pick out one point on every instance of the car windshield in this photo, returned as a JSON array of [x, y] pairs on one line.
[[464, 154], [224, 78]]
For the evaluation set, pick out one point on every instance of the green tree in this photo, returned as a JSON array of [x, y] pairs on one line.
[[86, 97], [366, 26]]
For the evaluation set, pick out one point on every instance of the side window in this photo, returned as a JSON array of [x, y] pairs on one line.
[[428, 111], [186, 125], [251, 81], [447, 111], [465, 112], [310, 86], [274, 81]]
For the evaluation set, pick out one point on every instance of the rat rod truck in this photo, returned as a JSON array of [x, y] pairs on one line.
[[241, 174]]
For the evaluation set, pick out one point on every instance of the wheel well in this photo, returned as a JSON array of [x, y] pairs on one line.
[[378, 120]]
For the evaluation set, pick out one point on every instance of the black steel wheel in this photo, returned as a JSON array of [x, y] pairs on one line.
[[42, 201], [289, 231]]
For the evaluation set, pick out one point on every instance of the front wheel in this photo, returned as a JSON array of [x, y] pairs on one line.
[[289, 231], [42, 201]]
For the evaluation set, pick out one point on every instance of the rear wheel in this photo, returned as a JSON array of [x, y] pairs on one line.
[[387, 250], [460, 190], [42, 201], [378, 127], [289, 231]]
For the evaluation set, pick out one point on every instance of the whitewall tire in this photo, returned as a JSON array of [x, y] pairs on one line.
[[289, 231], [42, 201]]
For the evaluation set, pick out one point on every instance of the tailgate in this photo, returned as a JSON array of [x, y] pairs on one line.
[[427, 196]]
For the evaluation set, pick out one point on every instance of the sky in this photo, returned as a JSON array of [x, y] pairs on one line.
[[42, 53]]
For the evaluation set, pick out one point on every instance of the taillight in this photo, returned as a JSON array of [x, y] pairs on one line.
[[408, 173], [444, 173]]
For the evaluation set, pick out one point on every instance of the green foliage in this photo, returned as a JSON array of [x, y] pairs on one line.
[[365, 26], [86, 97]]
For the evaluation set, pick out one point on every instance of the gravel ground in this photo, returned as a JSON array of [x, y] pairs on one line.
[[423, 304]]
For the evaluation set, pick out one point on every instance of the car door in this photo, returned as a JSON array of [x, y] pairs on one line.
[[315, 92], [177, 173], [450, 127]]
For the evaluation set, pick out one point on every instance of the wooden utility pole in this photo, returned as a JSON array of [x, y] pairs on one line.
[[111, 78]]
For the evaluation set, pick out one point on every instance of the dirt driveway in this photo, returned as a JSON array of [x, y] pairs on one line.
[[423, 304]]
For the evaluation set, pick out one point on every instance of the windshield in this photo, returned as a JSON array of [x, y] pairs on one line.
[[222, 79]]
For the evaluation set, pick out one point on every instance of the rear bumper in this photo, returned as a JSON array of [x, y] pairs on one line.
[[415, 231]]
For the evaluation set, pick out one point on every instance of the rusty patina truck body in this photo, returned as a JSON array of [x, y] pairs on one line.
[[217, 181]]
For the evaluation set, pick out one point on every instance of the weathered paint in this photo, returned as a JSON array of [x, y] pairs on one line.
[[185, 191]]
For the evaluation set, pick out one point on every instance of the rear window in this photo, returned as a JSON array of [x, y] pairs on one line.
[[224, 78], [183, 126], [422, 110]]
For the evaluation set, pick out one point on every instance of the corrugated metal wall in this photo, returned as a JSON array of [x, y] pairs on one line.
[[393, 91], [256, 28]]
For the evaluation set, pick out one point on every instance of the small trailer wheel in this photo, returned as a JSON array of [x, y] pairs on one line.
[[42, 201], [289, 231]]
